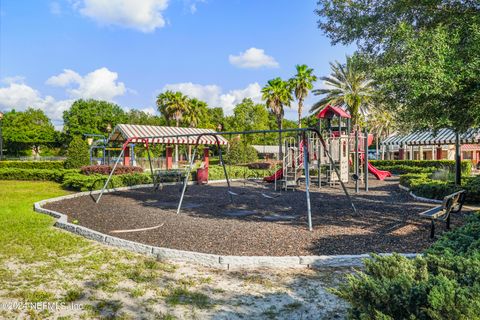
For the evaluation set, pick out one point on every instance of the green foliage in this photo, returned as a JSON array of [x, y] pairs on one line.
[[423, 54], [80, 182], [444, 284], [301, 84], [249, 116], [236, 172], [143, 118], [439, 164], [33, 164], [240, 153], [34, 174], [402, 169], [27, 130], [78, 154]]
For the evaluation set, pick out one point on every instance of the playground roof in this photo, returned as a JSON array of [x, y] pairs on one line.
[[163, 135], [330, 111], [428, 138]]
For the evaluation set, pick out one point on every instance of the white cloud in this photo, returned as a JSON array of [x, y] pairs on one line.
[[192, 4], [99, 84], [20, 96], [253, 58], [142, 15], [212, 94]]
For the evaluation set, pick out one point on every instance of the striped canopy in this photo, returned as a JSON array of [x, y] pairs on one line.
[[428, 138], [163, 135]]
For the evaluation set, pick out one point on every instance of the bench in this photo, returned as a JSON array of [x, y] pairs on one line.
[[173, 175], [452, 203]]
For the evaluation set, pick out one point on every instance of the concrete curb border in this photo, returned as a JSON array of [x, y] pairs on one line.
[[204, 259], [422, 199]]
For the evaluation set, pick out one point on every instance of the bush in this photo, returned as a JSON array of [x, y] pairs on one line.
[[240, 153], [403, 169], [80, 182], [106, 169], [78, 154], [443, 284], [33, 174], [472, 186], [439, 164], [51, 165], [236, 172]]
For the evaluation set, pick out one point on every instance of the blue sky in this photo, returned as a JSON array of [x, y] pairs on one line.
[[127, 51]]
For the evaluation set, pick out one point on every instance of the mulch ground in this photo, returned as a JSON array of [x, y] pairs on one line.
[[386, 219]]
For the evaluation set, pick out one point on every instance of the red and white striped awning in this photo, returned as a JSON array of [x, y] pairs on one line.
[[163, 135], [470, 147]]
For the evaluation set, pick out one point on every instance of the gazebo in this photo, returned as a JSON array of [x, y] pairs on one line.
[[169, 136]]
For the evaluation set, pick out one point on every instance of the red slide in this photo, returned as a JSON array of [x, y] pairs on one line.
[[379, 174], [277, 175]]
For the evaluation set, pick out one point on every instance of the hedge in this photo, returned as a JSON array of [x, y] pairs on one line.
[[422, 185], [80, 182], [34, 174], [403, 169], [52, 165], [440, 164], [443, 284], [106, 169]]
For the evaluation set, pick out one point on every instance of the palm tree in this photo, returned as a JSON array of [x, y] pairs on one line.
[[173, 105], [302, 83], [348, 87], [381, 122], [197, 111], [277, 95]]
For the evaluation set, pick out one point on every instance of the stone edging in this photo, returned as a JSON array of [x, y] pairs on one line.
[[204, 259], [422, 199]]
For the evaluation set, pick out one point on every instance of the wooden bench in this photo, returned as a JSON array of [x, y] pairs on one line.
[[452, 203]]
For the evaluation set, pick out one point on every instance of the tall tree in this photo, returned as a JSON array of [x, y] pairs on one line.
[[174, 106], [247, 116], [301, 84], [277, 95], [347, 86], [143, 118], [427, 59], [29, 129], [197, 114], [381, 122], [91, 116]]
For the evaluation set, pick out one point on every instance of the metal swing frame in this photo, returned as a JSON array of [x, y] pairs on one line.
[[302, 131]]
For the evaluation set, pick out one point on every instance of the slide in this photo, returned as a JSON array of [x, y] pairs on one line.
[[379, 174], [277, 175]]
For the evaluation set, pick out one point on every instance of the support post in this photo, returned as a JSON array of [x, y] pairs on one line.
[[126, 157], [365, 159], [307, 180], [401, 153], [169, 151], [356, 161], [458, 161], [439, 153]]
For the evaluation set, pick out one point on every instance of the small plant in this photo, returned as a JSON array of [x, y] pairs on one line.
[[73, 295]]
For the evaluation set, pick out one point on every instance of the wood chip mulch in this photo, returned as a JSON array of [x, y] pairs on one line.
[[387, 219]]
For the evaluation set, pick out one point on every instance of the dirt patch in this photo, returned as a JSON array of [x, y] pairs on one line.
[[387, 219]]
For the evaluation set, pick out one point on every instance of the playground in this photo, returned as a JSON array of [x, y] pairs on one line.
[[386, 219]]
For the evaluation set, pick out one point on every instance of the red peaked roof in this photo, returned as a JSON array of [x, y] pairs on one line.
[[330, 111]]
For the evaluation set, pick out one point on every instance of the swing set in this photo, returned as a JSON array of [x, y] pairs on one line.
[[306, 144]]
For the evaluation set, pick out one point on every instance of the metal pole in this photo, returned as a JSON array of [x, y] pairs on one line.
[[365, 160], [1, 136], [307, 181], [458, 161], [185, 182], [111, 172], [356, 160]]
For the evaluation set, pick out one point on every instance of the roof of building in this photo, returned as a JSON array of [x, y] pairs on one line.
[[428, 137], [163, 135], [330, 111]]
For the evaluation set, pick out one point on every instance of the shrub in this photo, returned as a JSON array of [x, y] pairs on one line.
[[403, 169], [33, 174], [443, 284], [51, 165], [106, 169], [80, 182], [445, 164], [472, 186], [78, 154], [240, 153]]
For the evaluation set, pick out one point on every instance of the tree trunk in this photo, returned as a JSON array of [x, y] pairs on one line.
[[300, 108], [280, 149], [377, 147]]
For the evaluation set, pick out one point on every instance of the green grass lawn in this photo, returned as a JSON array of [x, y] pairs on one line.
[[40, 263]]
